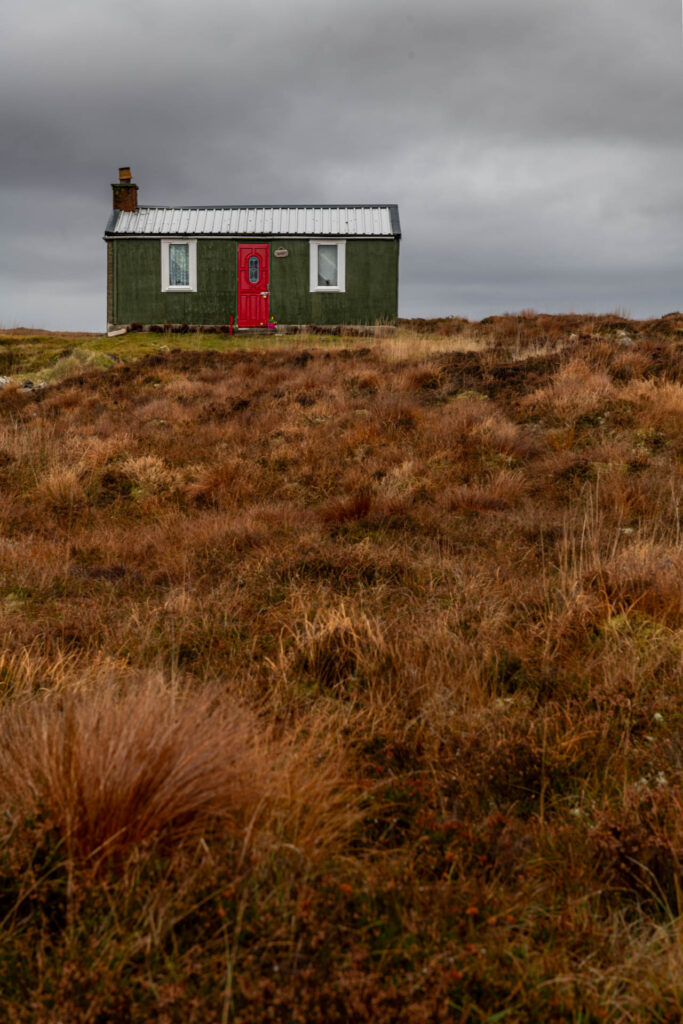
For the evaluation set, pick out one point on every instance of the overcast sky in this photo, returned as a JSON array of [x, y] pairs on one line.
[[534, 146]]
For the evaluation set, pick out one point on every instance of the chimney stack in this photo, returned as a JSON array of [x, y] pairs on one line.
[[125, 192]]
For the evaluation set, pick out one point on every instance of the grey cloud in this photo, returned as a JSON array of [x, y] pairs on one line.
[[532, 146]]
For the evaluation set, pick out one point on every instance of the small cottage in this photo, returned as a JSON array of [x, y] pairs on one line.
[[249, 267]]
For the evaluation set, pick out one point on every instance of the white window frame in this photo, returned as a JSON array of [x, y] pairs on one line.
[[192, 253], [340, 286]]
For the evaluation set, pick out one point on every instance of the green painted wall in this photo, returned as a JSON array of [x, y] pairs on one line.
[[371, 284], [137, 284]]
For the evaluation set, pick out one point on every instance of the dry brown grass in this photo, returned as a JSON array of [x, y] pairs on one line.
[[110, 769], [125, 761], [364, 659], [408, 346], [497, 492], [577, 390]]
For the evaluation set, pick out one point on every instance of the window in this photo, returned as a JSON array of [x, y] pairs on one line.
[[253, 270], [179, 265], [328, 266]]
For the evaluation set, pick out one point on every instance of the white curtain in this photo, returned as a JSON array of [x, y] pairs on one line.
[[327, 266], [179, 264]]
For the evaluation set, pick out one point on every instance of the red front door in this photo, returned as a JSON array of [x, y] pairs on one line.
[[253, 275]]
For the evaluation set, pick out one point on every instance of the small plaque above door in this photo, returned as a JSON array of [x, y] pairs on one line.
[[281, 252]]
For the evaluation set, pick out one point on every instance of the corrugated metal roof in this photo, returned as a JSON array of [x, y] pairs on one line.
[[335, 221]]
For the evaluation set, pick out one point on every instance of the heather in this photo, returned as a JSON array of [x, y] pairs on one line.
[[340, 675]]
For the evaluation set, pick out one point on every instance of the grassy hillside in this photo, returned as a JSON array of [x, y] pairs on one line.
[[341, 677]]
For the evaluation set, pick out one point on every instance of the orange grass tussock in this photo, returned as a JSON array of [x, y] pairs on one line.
[[112, 767]]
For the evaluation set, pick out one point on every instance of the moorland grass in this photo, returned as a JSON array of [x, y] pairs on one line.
[[341, 678]]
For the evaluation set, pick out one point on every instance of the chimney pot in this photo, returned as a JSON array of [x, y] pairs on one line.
[[125, 192]]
